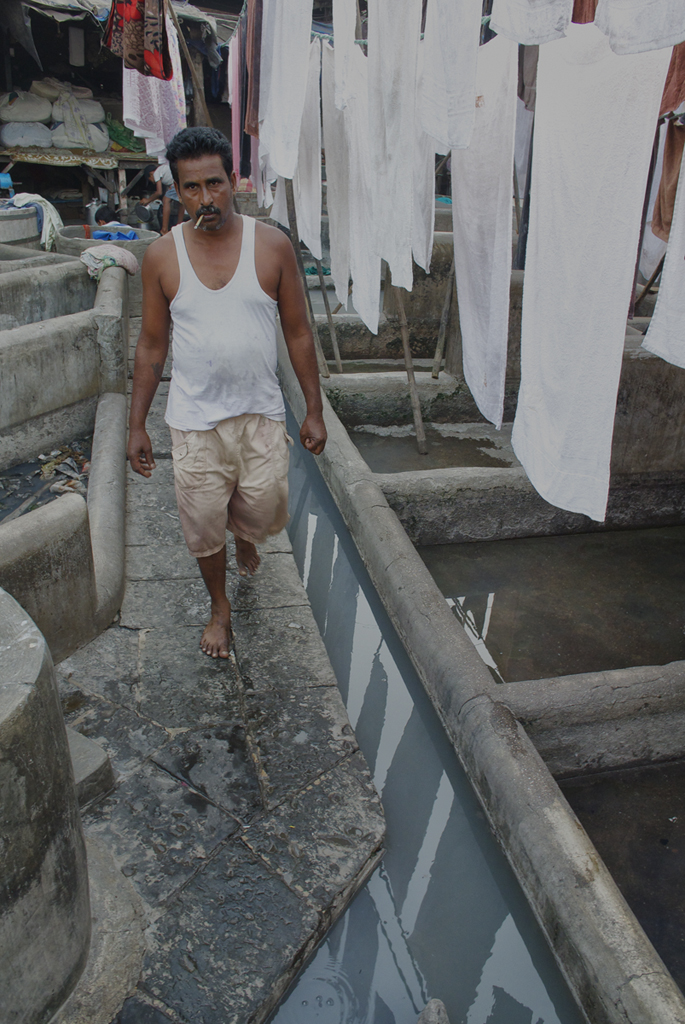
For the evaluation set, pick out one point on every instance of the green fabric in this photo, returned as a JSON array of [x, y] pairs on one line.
[[123, 136]]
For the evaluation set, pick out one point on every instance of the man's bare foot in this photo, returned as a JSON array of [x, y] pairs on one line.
[[246, 556], [216, 637]]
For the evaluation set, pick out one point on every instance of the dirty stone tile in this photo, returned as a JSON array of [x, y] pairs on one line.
[[278, 544], [216, 762], [154, 491], [164, 603], [153, 526], [280, 648], [160, 562], [320, 840], [276, 584], [127, 738], [158, 830], [179, 686], [298, 735], [106, 666], [226, 941]]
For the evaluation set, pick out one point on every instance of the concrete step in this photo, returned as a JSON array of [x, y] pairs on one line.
[[93, 772]]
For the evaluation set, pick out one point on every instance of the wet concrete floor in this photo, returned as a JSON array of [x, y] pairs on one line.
[[636, 819], [548, 606], [394, 450]]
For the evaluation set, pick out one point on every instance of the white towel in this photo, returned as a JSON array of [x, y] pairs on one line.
[[666, 334], [286, 33], [423, 206], [337, 175], [482, 177], [531, 21], [307, 180], [344, 28], [594, 128], [448, 86], [634, 26], [394, 32]]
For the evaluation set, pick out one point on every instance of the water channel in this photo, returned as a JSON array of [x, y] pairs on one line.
[[443, 916]]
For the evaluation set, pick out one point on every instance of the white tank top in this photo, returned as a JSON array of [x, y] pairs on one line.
[[224, 344]]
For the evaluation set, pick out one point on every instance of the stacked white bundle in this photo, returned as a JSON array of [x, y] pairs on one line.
[[24, 107], [25, 133], [77, 119], [92, 111], [97, 138]]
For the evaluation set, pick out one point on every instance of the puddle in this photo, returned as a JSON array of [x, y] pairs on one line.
[[443, 916], [548, 606], [36, 483], [393, 449]]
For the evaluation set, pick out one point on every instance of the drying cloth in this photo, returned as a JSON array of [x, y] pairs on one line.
[[344, 30], [531, 21], [337, 172], [235, 79], [481, 212], [394, 29], [634, 26], [666, 334], [52, 222], [155, 110], [115, 236], [674, 90], [137, 30], [284, 66], [448, 80], [307, 180], [253, 61], [423, 191], [592, 146], [665, 200], [98, 257], [584, 11]]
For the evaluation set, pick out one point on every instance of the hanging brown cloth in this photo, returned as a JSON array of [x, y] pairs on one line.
[[528, 75], [136, 31], [253, 58], [665, 199], [674, 90], [583, 11]]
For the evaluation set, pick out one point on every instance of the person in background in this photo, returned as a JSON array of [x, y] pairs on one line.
[[172, 210], [105, 217]]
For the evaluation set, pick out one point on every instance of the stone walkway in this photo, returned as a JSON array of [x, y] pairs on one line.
[[244, 814]]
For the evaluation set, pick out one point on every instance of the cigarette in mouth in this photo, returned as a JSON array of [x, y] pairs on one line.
[[199, 221]]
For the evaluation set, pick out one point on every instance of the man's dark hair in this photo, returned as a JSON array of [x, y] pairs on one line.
[[105, 214], [190, 143]]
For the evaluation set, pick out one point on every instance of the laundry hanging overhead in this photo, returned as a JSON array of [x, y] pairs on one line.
[[666, 334], [344, 30], [394, 28], [337, 175], [155, 110], [481, 213], [307, 179], [448, 84], [594, 129], [284, 66], [137, 30]]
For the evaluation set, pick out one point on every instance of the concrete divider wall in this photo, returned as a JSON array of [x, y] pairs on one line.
[[71, 241], [45, 917], [35, 293]]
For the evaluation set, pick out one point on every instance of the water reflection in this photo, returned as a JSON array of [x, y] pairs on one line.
[[443, 916]]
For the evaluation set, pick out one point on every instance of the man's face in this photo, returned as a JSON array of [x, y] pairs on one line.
[[206, 191]]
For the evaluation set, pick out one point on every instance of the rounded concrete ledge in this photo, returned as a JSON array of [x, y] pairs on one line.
[[71, 241], [45, 916]]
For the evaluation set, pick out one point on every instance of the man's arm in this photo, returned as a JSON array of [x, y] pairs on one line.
[[151, 353], [166, 210], [300, 341]]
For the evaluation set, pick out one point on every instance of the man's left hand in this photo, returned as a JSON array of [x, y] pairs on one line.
[[313, 434]]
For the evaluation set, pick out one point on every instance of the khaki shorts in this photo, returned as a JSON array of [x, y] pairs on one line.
[[233, 477]]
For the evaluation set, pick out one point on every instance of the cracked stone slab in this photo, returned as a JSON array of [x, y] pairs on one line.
[[179, 686], [323, 838], [136, 1011], [216, 761], [164, 603], [159, 831], [125, 737], [276, 584], [280, 648], [228, 945], [107, 666], [150, 525], [298, 736]]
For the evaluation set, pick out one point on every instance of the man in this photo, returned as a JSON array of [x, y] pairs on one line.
[[172, 209], [220, 278]]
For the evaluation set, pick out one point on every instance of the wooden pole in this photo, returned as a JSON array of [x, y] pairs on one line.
[[446, 306], [413, 393], [650, 283], [198, 87], [517, 201], [331, 325], [295, 239], [643, 222]]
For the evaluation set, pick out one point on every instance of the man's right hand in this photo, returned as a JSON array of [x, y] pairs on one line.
[[139, 452]]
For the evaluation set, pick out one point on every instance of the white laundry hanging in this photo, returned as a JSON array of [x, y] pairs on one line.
[[448, 84], [423, 204], [284, 63], [594, 129], [337, 175], [666, 334], [531, 21], [482, 178], [394, 29], [634, 26], [344, 30], [307, 179], [154, 109]]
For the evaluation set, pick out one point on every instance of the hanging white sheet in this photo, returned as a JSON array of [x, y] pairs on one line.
[[394, 29], [307, 180], [286, 32], [666, 334], [448, 86], [594, 129], [531, 21], [634, 26], [337, 175], [482, 177], [344, 30], [423, 207]]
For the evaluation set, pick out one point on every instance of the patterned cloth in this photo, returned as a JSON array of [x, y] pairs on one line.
[[155, 110], [136, 31], [98, 257]]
